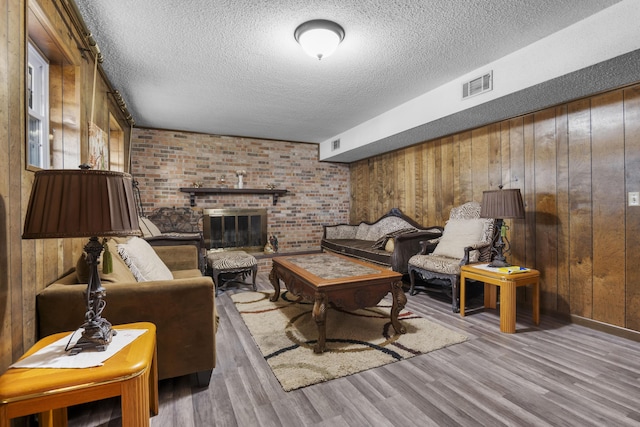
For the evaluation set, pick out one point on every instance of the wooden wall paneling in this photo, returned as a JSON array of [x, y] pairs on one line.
[[380, 187], [438, 191], [16, 51], [546, 229], [516, 180], [400, 181], [419, 193], [431, 182], [580, 226], [609, 201], [465, 171], [562, 203], [494, 174], [529, 192], [425, 216], [632, 214], [456, 165], [447, 174], [479, 162], [55, 114], [410, 165], [5, 178], [71, 141], [505, 155]]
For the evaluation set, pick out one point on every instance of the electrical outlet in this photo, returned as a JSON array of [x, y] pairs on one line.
[[634, 198]]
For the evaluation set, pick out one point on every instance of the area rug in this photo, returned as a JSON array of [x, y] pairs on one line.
[[356, 340]]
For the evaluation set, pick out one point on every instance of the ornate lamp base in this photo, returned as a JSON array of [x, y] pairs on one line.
[[97, 330], [498, 246], [97, 334]]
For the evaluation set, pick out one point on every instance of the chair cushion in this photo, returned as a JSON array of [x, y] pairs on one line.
[[437, 263], [458, 234], [143, 261], [230, 260]]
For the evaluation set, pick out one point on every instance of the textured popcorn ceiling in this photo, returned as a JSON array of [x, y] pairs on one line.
[[232, 67]]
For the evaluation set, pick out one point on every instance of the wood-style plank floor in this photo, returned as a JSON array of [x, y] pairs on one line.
[[555, 374]]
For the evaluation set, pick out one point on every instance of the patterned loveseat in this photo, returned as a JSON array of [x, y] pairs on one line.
[[389, 241]]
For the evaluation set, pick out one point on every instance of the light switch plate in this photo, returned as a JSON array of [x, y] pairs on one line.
[[634, 198]]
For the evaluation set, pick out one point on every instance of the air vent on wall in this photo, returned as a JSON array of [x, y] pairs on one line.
[[335, 144], [478, 85]]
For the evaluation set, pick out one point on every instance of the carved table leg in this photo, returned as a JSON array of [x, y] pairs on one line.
[[319, 315], [275, 282], [399, 301]]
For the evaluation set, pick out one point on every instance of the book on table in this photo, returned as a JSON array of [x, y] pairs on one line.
[[513, 269]]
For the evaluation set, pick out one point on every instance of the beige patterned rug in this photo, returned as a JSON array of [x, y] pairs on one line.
[[356, 340]]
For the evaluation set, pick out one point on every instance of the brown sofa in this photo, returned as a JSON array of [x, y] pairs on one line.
[[182, 309], [389, 241]]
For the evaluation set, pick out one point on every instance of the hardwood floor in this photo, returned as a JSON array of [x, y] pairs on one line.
[[556, 374]]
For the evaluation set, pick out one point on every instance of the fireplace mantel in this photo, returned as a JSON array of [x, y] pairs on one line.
[[193, 191]]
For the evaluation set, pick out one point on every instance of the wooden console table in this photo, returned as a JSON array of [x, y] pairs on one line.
[[193, 191], [131, 373], [507, 284]]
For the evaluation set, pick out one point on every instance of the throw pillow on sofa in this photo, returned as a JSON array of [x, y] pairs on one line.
[[143, 261], [381, 243], [119, 274]]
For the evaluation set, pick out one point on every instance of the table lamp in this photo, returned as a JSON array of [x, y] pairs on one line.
[[84, 203], [501, 204]]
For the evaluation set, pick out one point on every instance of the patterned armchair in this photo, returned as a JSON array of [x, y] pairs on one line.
[[466, 239]]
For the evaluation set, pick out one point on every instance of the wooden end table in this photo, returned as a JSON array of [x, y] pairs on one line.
[[507, 284], [131, 373]]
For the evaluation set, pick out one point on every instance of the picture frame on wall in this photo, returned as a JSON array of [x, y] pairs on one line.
[[98, 148]]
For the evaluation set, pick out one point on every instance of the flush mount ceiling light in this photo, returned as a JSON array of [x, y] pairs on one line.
[[319, 38]]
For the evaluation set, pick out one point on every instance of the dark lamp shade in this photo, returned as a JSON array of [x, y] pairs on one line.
[[502, 204], [81, 203]]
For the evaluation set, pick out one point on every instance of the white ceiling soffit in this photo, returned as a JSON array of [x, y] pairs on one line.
[[233, 67]]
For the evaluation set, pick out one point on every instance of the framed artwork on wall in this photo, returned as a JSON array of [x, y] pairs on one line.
[[98, 148]]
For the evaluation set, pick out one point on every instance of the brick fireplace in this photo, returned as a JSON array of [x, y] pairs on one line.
[[229, 229]]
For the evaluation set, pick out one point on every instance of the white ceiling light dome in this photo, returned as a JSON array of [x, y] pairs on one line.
[[319, 38]]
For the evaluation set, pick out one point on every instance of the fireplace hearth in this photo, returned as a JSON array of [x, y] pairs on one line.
[[235, 229]]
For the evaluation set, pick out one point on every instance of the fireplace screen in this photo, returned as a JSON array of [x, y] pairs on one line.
[[227, 229]]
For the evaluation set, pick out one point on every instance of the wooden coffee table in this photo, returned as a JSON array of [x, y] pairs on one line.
[[331, 279]]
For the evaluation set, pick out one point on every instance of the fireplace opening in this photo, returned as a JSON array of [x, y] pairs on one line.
[[239, 229]]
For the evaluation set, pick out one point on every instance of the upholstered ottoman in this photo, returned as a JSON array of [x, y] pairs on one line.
[[237, 263]]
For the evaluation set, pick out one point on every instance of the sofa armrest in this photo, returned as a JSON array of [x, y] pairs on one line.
[[182, 257], [407, 245], [183, 311]]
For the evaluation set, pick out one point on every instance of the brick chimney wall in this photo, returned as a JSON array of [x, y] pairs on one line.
[[164, 161]]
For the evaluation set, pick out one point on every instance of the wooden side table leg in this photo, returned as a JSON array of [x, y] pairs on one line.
[[490, 295], [4, 416], [54, 418], [153, 384], [536, 302], [135, 401], [508, 307], [463, 293]]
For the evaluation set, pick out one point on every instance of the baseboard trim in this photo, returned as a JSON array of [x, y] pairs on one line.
[[605, 327]]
